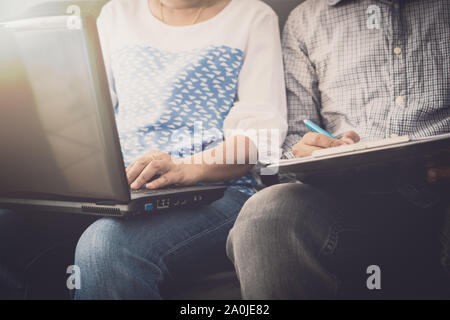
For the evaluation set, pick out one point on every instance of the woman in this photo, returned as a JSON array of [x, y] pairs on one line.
[[175, 66]]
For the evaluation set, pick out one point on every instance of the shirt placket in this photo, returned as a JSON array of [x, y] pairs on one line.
[[399, 72]]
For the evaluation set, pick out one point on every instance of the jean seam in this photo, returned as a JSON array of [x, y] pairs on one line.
[[200, 234], [187, 241], [329, 248], [38, 256], [194, 237]]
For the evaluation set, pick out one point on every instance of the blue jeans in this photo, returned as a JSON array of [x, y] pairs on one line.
[[145, 257]]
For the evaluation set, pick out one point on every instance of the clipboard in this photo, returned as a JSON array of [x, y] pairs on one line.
[[330, 165]]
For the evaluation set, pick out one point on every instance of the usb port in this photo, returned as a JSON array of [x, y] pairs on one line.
[[148, 207]]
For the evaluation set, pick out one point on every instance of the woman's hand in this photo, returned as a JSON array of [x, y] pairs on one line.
[[194, 169], [160, 167]]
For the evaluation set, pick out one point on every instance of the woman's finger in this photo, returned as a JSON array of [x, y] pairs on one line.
[[145, 175], [130, 167], [139, 165], [165, 180], [156, 167], [136, 170]]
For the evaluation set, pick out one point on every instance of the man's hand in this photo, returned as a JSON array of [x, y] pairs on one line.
[[160, 165], [315, 141]]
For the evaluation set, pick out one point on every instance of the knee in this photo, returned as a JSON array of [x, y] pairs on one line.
[[114, 262], [99, 245], [288, 214], [285, 204]]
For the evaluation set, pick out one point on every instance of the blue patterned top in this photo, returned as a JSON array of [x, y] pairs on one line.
[[165, 97]]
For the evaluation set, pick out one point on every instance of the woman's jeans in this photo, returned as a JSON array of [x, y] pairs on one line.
[[147, 257]]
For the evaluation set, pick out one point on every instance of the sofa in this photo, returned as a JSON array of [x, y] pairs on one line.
[[221, 285]]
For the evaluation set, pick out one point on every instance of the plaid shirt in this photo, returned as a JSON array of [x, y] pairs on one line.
[[376, 67]]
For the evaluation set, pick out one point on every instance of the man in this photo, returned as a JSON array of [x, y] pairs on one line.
[[363, 70]]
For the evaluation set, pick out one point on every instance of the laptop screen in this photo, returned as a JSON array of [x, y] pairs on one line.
[[56, 134]]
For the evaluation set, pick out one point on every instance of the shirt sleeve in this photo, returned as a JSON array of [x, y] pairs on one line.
[[303, 95], [261, 98], [104, 32]]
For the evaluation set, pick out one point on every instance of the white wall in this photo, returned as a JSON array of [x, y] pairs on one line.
[[9, 8]]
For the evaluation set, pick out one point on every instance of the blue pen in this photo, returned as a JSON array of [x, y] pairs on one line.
[[314, 127]]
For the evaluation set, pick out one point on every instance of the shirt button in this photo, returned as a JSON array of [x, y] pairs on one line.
[[400, 101], [398, 51]]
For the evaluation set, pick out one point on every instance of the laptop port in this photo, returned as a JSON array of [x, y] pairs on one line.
[[148, 207], [163, 203]]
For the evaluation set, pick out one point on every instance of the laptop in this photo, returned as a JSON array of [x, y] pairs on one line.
[[60, 149]]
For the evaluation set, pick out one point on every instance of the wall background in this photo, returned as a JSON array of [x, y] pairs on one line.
[[11, 8]]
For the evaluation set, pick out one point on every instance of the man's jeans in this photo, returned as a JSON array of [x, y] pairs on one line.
[[296, 241], [151, 256]]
